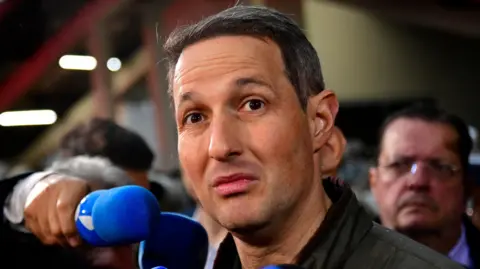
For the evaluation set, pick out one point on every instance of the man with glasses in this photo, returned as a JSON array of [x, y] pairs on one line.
[[421, 181]]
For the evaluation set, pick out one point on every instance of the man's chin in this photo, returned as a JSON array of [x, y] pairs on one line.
[[243, 225], [416, 217], [414, 227]]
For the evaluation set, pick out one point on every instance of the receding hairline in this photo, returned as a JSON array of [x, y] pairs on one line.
[[260, 37], [453, 142], [264, 39], [299, 56]]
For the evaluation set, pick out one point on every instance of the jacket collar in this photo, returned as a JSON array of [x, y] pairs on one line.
[[344, 226]]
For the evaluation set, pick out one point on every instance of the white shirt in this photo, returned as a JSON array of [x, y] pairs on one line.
[[15, 203]]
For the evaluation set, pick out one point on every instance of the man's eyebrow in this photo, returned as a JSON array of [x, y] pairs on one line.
[[242, 82], [186, 97]]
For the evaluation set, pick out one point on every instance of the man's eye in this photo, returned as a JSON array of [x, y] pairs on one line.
[[254, 104], [400, 165], [193, 118]]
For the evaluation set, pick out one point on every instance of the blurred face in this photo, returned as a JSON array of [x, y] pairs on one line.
[[418, 184], [245, 144], [112, 258], [140, 178]]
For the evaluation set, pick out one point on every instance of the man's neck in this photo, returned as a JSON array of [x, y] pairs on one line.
[[441, 241], [292, 236]]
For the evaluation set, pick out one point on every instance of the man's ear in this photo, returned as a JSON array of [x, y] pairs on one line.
[[321, 111], [332, 152], [372, 177]]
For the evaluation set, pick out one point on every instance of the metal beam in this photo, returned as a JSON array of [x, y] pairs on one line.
[[98, 43], [30, 71], [165, 126], [122, 81]]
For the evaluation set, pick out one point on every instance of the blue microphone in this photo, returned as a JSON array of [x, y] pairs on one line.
[[119, 216], [84, 222], [180, 242], [131, 214]]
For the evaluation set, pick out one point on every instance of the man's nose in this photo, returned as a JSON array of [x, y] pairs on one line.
[[418, 178], [225, 140]]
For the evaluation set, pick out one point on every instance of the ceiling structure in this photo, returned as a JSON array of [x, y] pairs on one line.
[[34, 80], [455, 16], [36, 30]]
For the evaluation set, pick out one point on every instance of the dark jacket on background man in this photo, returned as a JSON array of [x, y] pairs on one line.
[[349, 239], [473, 240]]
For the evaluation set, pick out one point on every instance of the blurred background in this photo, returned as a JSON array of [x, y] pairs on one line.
[[65, 62]]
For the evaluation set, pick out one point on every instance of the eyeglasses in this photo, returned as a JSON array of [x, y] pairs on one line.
[[436, 169]]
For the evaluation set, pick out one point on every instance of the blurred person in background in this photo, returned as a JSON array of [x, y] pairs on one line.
[[37, 226], [421, 181], [127, 150], [474, 159], [476, 207], [99, 138]]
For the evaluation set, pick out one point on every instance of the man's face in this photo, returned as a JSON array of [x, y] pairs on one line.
[[244, 141], [418, 182]]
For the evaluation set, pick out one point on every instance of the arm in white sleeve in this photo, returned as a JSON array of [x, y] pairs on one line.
[[15, 203], [98, 172]]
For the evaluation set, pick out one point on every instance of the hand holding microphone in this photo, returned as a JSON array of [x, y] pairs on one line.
[[50, 209], [131, 214]]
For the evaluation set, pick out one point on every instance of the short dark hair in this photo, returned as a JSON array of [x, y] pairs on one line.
[[300, 58], [434, 114], [105, 138]]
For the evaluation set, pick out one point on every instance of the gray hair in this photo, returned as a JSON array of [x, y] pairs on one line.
[[97, 170]]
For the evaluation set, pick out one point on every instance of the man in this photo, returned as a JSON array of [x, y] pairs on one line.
[[420, 183], [216, 233], [253, 115]]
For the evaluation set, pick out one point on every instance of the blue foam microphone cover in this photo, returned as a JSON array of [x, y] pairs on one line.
[[178, 242], [131, 214], [84, 222], [119, 216]]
